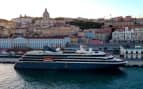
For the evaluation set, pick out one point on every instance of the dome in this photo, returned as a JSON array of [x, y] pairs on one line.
[[46, 15]]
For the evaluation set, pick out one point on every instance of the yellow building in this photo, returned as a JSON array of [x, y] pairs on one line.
[[7, 27], [74, 39]]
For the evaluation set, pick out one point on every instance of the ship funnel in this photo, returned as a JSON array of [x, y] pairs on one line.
[[90, 49], [81, 50], [58, 49]]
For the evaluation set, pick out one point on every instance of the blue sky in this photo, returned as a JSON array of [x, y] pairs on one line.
[[72, 8]]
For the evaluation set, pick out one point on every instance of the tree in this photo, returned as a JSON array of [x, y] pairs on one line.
[[86, 24]]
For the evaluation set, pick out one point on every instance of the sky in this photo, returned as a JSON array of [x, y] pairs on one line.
[[71, 8]]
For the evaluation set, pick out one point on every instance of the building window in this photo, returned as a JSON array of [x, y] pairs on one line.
[[126, 52], [131, 52]]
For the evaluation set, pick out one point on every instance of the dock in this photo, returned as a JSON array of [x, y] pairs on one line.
[[134, 63], [8, 60]]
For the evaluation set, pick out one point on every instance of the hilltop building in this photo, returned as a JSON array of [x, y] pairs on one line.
[[43, 26]]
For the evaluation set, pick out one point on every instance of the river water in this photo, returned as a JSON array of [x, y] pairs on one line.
[[125, 78]]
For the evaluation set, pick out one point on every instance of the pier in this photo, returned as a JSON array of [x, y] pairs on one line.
[[134, 63], [9, 60]]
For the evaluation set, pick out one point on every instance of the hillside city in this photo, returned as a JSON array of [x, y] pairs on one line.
[[27, 32], [71, 44]]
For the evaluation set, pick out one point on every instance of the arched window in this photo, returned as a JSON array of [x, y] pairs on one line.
[[126, 52]]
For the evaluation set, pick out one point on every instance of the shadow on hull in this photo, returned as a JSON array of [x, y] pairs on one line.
[[69, 77]]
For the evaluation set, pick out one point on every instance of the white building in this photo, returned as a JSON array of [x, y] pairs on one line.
[[45, 21], [132, 52], [35, 43], [128, 35], [23, 21]]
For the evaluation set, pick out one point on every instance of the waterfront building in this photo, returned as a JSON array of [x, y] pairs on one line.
[[34, 43], [131, 52]]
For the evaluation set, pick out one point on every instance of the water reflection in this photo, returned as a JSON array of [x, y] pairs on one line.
[[69, 79]]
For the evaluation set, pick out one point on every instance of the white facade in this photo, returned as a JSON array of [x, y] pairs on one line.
[[5, 43], [35, 43], [45, 21], [132, 53], [128, 35], [23, 20]]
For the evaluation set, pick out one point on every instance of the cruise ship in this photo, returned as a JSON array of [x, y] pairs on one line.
[[81, 59]]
